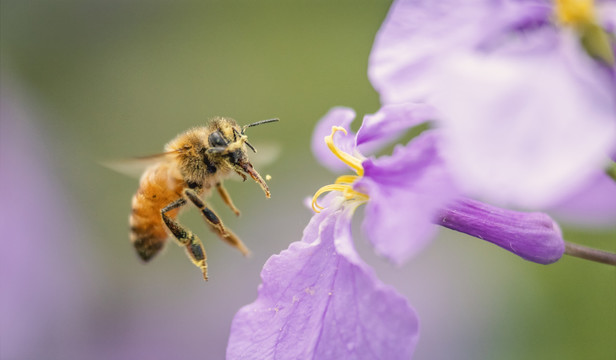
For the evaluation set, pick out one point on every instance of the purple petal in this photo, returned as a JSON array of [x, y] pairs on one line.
[[539, 140], [338, 116], [417, 37], [413, 40], [390, 123], [532, 236], [405, 189], [608, 15], [594, 204], [318, 300]]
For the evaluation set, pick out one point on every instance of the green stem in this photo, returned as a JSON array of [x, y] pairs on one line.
[[591, 254]]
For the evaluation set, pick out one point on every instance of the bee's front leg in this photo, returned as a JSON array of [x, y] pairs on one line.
[[226, 198]]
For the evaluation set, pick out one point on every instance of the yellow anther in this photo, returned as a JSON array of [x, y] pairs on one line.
[[352, 161], [575, 12]]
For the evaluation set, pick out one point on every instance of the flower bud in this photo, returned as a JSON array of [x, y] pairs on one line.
[[533, 236]]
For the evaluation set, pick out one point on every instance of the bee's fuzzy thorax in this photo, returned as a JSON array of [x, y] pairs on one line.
[[203, 167]]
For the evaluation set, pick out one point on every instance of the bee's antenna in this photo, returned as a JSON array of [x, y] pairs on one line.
[[255, 124], [250, 146], [258, 123], [235, 133]]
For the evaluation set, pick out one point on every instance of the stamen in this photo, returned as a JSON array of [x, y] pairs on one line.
[[575, 12], [346, 179], [348, 159], [581, 15], [327, 188], [344, 185]]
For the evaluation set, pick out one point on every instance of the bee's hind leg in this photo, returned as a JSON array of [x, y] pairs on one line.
[[194, 247], [216, 224]]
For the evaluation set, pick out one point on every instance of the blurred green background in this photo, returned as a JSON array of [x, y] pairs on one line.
[[89, 81]]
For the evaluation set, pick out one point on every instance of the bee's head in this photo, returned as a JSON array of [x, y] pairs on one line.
[[229, 141]]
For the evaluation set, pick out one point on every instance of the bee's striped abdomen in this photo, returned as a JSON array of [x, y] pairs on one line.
[[147, 230]]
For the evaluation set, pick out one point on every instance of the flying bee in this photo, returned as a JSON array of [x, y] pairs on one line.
[[191, 166]]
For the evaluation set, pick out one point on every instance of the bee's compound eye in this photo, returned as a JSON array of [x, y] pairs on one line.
[[216, 140]]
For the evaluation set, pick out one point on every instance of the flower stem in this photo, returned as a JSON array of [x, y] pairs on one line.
[[591, 254]]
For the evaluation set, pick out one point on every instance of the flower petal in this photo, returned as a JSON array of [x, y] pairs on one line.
[[318, 300], [593, 204], [390, 123], [406, 189], [338, 116], [532, 236], [414, 39], [539, 140]]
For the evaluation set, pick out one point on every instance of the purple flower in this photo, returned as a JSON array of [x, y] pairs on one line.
[[526, 90], [405, 190], [318, 299]]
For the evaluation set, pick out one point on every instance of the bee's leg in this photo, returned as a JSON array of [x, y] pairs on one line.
[[209, 215], [172, 224], [226, 198], [216, 224], [242, 175], [192, 244], [232, 240]]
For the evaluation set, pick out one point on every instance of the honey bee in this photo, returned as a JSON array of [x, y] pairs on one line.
[[191, 165]]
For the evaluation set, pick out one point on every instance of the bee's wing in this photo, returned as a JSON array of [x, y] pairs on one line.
[[134, 167], [266, 154]]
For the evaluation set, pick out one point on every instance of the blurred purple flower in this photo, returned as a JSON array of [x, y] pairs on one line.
[[318, 299], [44, 271], [522, 105]]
